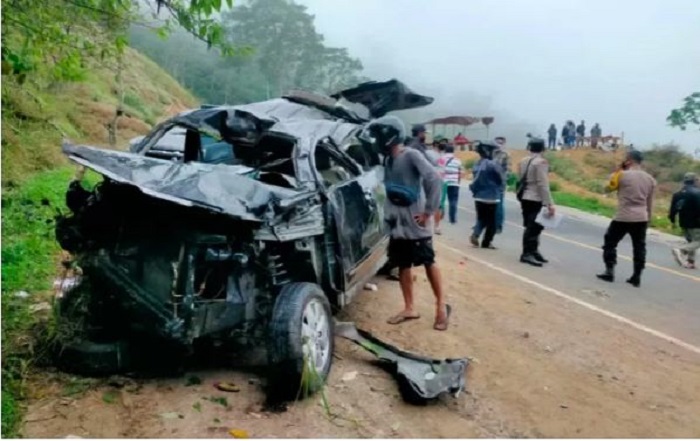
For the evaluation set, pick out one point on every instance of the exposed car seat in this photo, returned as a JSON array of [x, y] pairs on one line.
[[218, 153], [331, 173]]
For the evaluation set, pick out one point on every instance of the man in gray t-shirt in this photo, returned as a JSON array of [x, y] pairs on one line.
[[408, 211], [418, 142]]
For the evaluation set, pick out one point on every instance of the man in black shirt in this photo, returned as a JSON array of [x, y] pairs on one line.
[[686, 206]]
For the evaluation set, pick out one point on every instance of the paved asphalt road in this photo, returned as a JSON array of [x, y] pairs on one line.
[[667, 302]]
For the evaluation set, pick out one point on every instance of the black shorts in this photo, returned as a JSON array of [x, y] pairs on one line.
[[406, 253]]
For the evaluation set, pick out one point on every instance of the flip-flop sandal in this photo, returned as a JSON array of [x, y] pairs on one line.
[[400, 318], [442, 326]]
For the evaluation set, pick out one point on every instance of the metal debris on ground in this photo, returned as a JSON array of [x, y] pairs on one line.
[[349, 376], [226, 387], [65, 284], [170, 415], [43, 306], [420, 378]]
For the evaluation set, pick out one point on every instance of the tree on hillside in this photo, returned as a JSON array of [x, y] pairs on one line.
[[213, 79], [63, 34], [688, 114], [288, 50], [284, 52]]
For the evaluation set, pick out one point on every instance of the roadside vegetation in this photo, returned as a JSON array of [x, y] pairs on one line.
[[29, 261], [37, 113]]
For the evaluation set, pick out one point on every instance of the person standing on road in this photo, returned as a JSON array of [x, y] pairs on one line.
[[440, 213], [407, 213], [580, 134], [596, 133], [552, 137], [418, 142], [501, 157], [534, 194], [487, 191], [686, 206], [451, 171], [635, 195]]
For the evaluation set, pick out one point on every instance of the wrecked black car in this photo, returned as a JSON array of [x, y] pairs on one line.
[[248, 224]]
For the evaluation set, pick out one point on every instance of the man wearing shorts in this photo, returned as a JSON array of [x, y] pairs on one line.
[[408, 211]]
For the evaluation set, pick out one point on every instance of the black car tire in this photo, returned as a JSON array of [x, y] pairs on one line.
[[296, 307], [85, 357]]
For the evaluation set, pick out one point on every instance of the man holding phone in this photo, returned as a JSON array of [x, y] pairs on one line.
[[635, 195], [408, 212]]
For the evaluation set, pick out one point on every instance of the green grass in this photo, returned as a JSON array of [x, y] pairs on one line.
[[595, 206], [468, 165], [29, 253], [36, 115], [583, 203], [568, 170], [39, 113]]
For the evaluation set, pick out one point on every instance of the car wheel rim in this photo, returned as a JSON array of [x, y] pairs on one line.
[[315, 335]]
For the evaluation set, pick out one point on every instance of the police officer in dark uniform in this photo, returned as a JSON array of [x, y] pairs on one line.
[[535, 194]]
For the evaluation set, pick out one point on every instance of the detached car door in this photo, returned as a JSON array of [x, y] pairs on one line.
[[356, 199]]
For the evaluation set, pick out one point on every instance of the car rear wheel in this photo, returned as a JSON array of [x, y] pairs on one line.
[[301, 341]]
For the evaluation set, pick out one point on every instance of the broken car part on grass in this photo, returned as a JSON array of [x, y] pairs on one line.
[[246, 224], [420, 378]]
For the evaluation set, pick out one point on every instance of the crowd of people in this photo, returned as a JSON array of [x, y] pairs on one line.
[[422, 179], [574, 136]]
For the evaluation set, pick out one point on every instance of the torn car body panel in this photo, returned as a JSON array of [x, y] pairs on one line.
[[215, 187], [383, 97], [420, 378]]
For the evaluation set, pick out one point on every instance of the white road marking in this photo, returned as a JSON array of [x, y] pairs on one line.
[[556, 292], [598, 249]]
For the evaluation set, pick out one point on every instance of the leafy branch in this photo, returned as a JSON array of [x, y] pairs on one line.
[[62, 34], [688, 114]]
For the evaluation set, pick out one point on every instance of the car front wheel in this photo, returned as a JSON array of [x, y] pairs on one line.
[[301, 341]]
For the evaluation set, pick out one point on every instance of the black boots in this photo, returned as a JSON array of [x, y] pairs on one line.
[[636, 278], [539, 257], [608, 275], [530, 260]]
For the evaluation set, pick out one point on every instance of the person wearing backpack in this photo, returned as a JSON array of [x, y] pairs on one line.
[[533, 193], [407, 213]]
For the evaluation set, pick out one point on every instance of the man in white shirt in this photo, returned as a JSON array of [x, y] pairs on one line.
[[451, 172]]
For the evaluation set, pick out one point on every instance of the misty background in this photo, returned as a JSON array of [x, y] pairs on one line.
[[623, 64]]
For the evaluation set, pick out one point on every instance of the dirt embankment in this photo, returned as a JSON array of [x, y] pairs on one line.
[[541, 367]]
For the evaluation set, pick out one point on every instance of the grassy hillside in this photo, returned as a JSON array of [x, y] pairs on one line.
[[35, 175], [37, 115], [578, 178]]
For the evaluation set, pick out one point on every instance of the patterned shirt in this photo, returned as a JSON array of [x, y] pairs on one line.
[[450, 169]]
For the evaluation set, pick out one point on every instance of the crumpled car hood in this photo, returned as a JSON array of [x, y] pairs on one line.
[[219, 188]]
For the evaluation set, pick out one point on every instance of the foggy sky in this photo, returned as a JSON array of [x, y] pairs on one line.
[[622, 63]]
